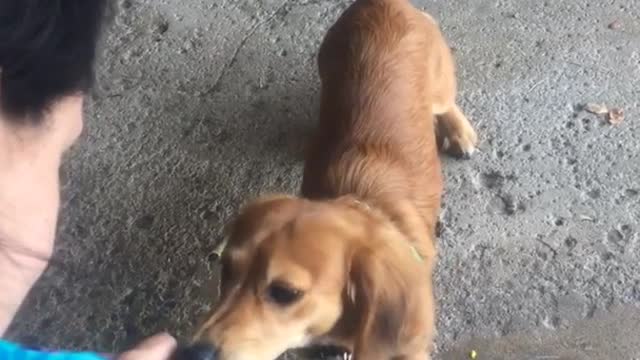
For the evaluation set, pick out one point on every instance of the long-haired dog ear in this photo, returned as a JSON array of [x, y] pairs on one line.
[[267, 210], [252, 223], [393, 310], [248, 213]]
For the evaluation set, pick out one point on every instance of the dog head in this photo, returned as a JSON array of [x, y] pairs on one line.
[[296, 271]]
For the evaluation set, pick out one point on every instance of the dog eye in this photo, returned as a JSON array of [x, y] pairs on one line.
[[283, 294]]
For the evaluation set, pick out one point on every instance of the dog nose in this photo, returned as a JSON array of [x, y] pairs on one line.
[[198, 351]]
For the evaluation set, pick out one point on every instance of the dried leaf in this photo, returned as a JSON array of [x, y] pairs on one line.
[[596, 109], [615, 116]]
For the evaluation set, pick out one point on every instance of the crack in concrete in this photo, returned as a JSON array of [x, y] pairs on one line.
[[234, 57]]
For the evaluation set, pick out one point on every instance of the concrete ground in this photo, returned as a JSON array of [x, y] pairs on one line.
[[202, 104]]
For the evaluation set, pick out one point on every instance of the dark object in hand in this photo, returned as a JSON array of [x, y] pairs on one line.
[[199, 351]]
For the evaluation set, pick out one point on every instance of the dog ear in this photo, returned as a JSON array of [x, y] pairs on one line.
[[247, 230], [393, 309], [247, 220], [261, 214]]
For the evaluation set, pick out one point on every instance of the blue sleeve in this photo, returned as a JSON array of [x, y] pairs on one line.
[[10, 351]]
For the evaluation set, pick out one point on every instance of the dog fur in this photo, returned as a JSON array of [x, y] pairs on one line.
[[355, 253]]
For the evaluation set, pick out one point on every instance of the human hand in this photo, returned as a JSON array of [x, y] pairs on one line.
[[158, 347]]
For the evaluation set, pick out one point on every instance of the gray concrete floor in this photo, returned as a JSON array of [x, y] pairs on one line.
[[202, 104]]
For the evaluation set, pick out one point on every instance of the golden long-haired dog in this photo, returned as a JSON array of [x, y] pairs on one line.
[[350, 263]]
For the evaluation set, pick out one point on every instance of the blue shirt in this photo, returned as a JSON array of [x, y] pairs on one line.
[[10, 351]]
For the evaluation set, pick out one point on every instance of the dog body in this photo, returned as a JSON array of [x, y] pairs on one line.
[[384, 67], [351, 262]]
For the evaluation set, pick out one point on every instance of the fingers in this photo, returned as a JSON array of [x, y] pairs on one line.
[[158, 347]]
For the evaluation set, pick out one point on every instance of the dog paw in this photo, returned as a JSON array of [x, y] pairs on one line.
[[461, 145]]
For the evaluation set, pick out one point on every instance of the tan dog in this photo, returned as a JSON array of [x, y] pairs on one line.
[[351, 263]]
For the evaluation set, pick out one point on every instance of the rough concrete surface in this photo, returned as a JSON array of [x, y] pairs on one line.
[[203, 104]]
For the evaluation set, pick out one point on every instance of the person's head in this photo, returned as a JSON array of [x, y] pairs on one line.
[[47, 51]]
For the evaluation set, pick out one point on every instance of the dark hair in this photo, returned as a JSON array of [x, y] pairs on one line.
[[47, 51]]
